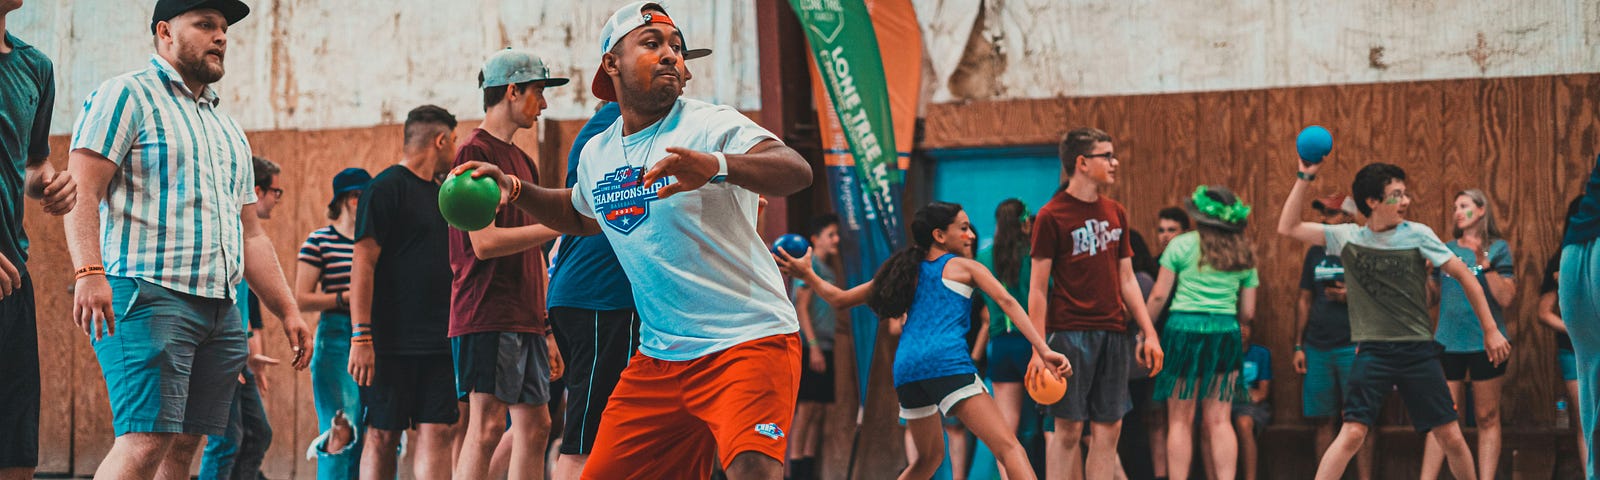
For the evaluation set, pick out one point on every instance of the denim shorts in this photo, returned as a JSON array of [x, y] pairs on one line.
[[1327, 376], [174, 362]]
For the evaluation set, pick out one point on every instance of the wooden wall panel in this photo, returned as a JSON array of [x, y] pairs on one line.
[[58, 337], [1528, 142]]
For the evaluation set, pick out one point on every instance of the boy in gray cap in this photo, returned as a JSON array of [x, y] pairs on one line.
[[504, 355]]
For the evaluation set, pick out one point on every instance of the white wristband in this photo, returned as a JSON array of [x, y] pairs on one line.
[[722, 167]]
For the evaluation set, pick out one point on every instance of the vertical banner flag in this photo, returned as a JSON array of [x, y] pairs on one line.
[[866, 79]]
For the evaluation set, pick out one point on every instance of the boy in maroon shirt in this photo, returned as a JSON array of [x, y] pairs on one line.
[[1081, 287], [504, 358]]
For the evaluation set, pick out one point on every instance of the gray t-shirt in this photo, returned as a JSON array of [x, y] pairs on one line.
[[822, 318], [1386, 277], [1459, 331]]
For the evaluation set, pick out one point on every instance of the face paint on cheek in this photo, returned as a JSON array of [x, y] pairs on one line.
[[1391, 201], [645, 67], [1469, 214], [530, 106]]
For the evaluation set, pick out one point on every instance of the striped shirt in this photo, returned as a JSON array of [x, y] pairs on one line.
[[170, 215], [333, 253]]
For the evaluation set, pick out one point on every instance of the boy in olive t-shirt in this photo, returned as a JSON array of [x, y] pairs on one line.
[[1386, 273]]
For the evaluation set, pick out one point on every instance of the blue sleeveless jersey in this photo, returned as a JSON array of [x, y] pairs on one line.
[[934, 341]]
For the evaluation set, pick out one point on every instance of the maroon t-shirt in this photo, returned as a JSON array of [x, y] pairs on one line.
[[1085, 242], [504, 294]]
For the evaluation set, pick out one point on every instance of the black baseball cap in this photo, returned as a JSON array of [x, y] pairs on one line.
[[232, 10]]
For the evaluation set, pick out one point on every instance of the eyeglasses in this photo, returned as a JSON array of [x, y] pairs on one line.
[[1168, 230], [1109, 156]]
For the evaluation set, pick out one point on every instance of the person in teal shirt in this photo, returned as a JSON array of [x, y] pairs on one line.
[[1008, 351], [1215, 292], [1479, 244]]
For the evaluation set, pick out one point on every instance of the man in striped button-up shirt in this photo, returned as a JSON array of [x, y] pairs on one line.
[[167, 204]]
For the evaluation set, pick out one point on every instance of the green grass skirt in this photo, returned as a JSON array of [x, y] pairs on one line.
[[1204, 359]]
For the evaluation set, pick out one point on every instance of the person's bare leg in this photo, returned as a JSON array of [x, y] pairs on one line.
[[530, 427], [1583, 446], [500, 462], [1486, 406], [135, 455], [1432, 452], [958, 451], [1364, 461], [910, 443], [1207, 464], [1180, 419], [179, 457], [380, 454], [1063, 452], [432, 458], [925, 444], [1245, 425], [1008, 400], [755, 466], [1456, 450], [458, 435], [16, 473], [1157, 426], [1324, 436], [1334, 461], [1102, 461], [982, 415], [1219, 433], [485, 425], [569, 467]]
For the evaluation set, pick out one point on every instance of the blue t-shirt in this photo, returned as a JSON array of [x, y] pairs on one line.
[[1458, 327], [1257, 365], [586, 273], [934, 341]]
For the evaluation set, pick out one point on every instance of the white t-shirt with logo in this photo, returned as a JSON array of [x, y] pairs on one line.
[[703, 280]]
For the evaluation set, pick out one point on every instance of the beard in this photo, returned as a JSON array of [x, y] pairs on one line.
[[648, 98], [194, 65]]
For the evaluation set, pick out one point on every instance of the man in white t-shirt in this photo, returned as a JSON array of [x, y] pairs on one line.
[[674, 186]]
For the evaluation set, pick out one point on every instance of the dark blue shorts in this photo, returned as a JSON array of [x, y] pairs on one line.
[[1412, 368], [1008, 357]]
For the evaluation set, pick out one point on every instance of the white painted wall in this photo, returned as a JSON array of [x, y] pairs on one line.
[[1051, 48], [309, 64], [312, 64]]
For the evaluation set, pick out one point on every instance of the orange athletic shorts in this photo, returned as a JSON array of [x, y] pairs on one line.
[[668, 419]]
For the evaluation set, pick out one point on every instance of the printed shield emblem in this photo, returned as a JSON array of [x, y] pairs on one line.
[[622, 201]]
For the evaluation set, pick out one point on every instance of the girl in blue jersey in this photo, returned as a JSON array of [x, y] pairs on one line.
[[931, 288]]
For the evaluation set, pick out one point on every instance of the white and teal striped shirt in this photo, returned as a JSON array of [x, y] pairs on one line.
[[171, 212]]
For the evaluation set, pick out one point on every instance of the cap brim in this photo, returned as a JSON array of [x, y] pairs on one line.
[[601, 86], [694, 53], [232, 11]]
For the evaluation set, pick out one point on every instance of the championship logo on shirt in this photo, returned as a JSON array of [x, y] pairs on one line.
[[622, 202]]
